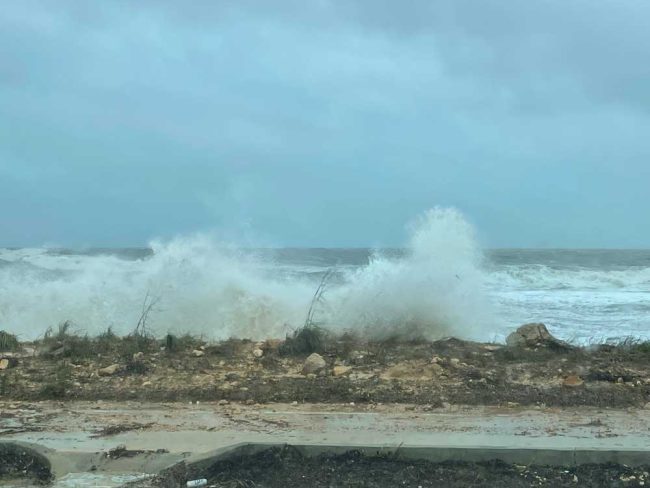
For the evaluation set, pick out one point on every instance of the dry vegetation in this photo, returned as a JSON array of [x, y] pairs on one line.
[[138, 366]]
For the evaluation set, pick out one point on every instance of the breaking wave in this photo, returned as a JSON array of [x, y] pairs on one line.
[[434, 288], [544, 277]]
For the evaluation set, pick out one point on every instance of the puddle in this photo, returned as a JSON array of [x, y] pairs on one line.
[[82, 480], [96, 480]]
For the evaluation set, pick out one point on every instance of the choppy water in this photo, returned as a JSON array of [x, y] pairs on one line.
[[583, 295], [440, 284]]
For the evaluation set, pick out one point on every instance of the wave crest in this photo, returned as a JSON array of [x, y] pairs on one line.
[[204, 287]]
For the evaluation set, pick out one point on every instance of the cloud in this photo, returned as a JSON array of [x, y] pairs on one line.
[[324, 123]]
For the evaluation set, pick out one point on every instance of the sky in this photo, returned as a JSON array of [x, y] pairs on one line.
[[324, 123]]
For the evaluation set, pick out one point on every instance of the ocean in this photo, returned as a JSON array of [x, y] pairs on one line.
[[195, 285]]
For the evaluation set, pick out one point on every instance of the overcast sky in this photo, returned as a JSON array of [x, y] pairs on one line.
[[324, 123]]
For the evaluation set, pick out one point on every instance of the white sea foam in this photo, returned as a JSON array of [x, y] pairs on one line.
[[204, 287], [544, 277], [437, 289]]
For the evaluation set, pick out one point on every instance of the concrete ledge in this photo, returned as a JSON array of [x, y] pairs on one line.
[[551, 457], [190, 466]]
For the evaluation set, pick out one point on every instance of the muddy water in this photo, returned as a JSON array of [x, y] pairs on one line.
[[82, 480], [95, 480]]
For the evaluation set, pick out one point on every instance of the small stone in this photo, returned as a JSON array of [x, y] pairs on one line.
[[573, 381], [341, 370], [313, 364], [7, 363], [223, 402], [294, 402], [138, 355], [454, 362], [197, 353], [108, 370], [620, 380], [258, 353], [435, 360], [146, 383]]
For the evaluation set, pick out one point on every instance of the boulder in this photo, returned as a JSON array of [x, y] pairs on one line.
[[535, 335], [313, 364]]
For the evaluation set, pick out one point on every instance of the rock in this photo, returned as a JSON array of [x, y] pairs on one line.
[[197, 353], [573, 380], [313, 364], [258, 353], [341, 370], [535, 335], [138, 356], [7, 363], [455, 362], [223, 402], [109, 370]]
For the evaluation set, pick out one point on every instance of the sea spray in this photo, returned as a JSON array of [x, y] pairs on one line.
[[433, 289], [199, 286]]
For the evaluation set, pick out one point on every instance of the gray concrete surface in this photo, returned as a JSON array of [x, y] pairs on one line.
[[72, 432]]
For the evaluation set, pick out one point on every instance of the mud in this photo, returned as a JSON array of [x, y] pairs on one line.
[[18, 463], [287, 468]]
